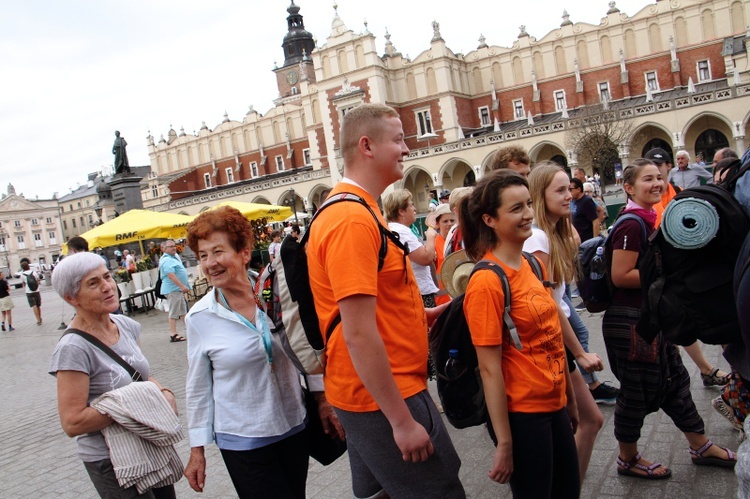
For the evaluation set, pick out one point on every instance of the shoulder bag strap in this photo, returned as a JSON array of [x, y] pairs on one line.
[[134, 374], [507, 321]]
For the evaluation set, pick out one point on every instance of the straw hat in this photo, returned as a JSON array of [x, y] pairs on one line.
[[455, 273], [431, 220]]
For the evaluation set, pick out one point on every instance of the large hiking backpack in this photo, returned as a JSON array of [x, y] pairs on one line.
[[596, 294], [283, 292], [463, 396], [687, 271]]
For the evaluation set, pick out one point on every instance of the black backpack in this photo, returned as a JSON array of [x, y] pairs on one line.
[[463, 397], [597, 294], [688, 293], [31, 281], [283, 292]]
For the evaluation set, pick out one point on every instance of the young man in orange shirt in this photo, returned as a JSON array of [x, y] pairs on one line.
[[377, 357]]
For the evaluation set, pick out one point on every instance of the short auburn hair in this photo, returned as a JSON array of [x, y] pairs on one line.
[[363, 120], [225, 219], [505, 155]]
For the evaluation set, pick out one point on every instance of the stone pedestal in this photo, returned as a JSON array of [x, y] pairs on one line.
[[126, 193]]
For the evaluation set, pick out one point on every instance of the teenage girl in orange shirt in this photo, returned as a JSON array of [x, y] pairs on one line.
[[528, 390]]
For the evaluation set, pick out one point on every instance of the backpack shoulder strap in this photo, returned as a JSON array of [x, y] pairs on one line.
[[507, 321], [385, 234], [537, 268], [630, 216]]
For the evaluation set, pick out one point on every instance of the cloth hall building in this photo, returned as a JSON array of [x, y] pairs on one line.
[[676, 73]]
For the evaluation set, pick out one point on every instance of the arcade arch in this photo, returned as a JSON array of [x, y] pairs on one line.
[[707, 133]]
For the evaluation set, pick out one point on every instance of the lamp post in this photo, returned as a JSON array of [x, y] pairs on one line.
[[3, 238], [292, 203], [98, 211]]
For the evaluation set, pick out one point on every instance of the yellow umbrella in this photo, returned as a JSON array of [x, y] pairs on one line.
[[254, 211], [137, 225]]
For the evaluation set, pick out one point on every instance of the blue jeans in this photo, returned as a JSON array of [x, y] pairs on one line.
[[582, 333]]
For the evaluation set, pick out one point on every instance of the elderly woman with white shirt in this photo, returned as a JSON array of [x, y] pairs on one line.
[[401, 214], [243, 392]]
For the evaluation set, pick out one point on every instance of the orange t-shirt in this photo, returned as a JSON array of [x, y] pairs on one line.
[[665, 199], [439, 259], [534, 376], [342, 254]]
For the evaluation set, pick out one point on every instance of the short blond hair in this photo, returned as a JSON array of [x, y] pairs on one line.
[[394, 202], [363, 120], [457, 195]]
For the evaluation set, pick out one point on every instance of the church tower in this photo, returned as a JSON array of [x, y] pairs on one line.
[[298, 45]]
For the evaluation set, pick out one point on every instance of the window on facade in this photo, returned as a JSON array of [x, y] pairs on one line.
[[652, 83], [295, 91], [34, 221], [484, 116], [424, 121], [560, 103], [88, 203], [21, 242], [254, 169], [518, 111], [279, 163], [2, 244], [306, 156], [62, 209], [704, 71], [207, 180], [71, 207], [83, 224], [37, 240], [65, 224], [154, 191], [230, 176], [49, 220], [52, 238], [79, 204], [604, 91], [16, 223], [91, 219]]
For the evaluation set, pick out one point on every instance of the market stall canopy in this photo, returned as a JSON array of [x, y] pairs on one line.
[[300, 215], [254, 211], [136, 226]]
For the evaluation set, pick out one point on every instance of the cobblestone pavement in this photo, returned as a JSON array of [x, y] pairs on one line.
[[39, 459]]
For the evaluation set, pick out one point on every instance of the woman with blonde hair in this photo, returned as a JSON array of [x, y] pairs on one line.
[[401, 213], [551, 242]]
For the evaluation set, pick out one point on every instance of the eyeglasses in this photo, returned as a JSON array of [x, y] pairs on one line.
[[588, 192]]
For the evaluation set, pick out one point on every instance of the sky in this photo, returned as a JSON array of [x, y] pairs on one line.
[[75, 71]]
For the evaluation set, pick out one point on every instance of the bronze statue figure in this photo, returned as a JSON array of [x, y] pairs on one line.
[[121, 156]]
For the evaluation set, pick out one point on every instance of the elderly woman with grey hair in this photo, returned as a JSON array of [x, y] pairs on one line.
[[84, 371]]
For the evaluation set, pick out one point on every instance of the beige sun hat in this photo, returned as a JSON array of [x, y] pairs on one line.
[[431, 220], [455, 273]]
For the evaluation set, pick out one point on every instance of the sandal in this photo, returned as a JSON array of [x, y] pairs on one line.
[[715, 378], [701, 460], [624, 468], [176, 337]]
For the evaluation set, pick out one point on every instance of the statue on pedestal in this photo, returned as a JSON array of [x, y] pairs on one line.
[[121, 156]]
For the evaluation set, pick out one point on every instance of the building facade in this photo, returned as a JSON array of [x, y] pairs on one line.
[[28, 229], [676, 73]]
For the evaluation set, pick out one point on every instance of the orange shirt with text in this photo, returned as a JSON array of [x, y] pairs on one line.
[[534, 376]]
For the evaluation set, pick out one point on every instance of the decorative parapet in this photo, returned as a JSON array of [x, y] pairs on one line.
[[631, 111], [252, 186]]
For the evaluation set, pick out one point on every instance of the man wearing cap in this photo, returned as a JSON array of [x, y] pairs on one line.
[[445, 195], [685, 175]]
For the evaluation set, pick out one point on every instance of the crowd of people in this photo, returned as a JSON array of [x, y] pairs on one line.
[[244, 393]]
